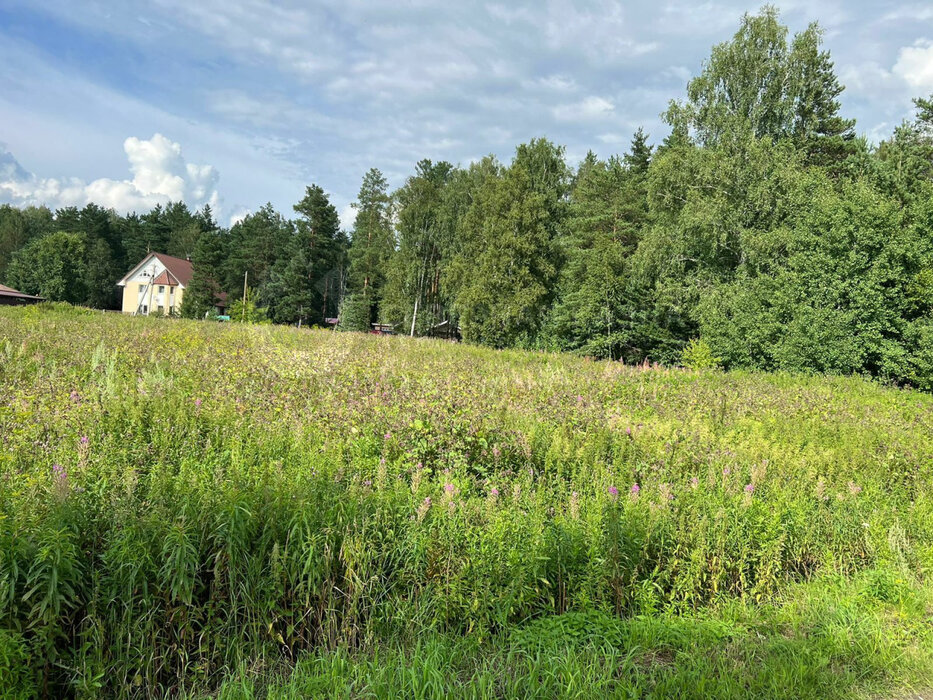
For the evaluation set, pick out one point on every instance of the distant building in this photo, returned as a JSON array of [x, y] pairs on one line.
[[12, 297], [156, 285]]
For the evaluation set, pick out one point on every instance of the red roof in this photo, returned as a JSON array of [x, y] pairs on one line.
[[10, 292], [180, 269]]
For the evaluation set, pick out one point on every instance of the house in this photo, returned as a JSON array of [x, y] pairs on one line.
[[12, 297], [156, 285]]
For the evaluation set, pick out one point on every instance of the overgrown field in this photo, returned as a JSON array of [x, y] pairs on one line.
[[206, 509]]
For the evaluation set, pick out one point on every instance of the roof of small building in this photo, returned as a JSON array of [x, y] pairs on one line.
[[10, 292]]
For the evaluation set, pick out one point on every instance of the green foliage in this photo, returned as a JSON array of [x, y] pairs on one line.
[[355, 313], [245, 310], [698, 355], [372, 242], [503, 276], [53, 266], [180, 501]]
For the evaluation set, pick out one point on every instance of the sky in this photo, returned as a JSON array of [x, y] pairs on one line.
[[239, 102]]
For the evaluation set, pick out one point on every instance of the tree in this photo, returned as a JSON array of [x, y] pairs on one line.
[[412, 297], [256, 243], [203, 291], [597, 312], [245, 309], [52, 266], [372, 242], [506, 272], [757, 85]]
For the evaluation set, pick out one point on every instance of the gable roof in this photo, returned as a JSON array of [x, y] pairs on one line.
[[180, 270], [16, 294]]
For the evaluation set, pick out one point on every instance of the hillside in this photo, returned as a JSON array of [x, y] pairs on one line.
[[200, 509]]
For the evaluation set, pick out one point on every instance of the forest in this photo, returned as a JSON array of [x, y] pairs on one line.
[[761, 232]]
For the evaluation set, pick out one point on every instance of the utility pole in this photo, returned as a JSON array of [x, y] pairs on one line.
[[245, 276]]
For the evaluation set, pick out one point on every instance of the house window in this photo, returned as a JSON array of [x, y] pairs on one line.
[[161, 309], [161, 289], [142, 288], [145, 309]]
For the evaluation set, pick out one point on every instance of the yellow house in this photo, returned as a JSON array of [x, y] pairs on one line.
[[156, 285]]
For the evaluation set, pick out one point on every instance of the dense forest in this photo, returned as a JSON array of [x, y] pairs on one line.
[[761, 232]]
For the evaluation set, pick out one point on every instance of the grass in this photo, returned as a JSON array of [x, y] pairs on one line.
[[210, 510]]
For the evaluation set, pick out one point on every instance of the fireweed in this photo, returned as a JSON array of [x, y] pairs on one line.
[[225, 496]]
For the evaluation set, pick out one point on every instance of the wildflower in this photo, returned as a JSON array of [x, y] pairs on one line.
[[667, 493], [368, 482], [494, 492], [726, 471], [424, 508], [694, 482], [84, 440], [613, 491], [197, 403], [450, 489], [749, 488], [388, 436], [628, 431], [75, 396], [821, 490], [854, 488], [635, 489], [60, 481], [496, 452]]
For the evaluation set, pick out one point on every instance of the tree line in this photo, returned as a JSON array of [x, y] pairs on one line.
[[760, 225]]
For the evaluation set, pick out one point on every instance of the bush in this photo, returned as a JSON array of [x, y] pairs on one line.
[[699, 355]]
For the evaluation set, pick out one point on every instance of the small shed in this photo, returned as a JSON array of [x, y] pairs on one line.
[[13, 297], [445, 330]]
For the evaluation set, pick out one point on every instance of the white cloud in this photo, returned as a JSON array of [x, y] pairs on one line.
[[591, 107], [160, 175], [239, 214], [915, 64], [347, 217]]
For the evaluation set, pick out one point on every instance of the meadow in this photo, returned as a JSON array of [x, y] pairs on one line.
[[203, 510]]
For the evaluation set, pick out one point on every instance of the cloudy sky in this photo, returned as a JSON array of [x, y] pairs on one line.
[[236, 102]]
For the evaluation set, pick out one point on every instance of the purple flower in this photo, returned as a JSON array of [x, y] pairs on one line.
[[58, 471], [75, 396], [493, 491], [496, 452], [388, 436], [449, 488], [613, 491], [694, 482], [197, 403], [84, 440], [749, 488], [368, 482], [726, 471], [635, 489], [628, 431]]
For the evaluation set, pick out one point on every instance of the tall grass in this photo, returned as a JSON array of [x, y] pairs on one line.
[[185, 504]]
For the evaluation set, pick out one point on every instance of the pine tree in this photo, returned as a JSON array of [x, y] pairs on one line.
[[372, 242]]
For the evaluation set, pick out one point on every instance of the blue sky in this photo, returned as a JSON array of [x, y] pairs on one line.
[[238, 102]]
